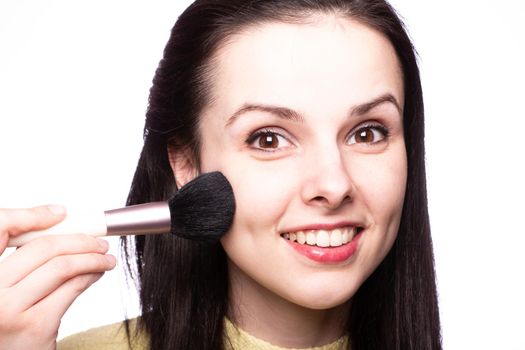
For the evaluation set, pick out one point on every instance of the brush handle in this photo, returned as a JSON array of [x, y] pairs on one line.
[[93, 224], [150, 218]]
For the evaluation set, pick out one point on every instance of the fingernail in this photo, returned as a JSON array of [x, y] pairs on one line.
[[103, 243], [56, 209], [111, 259]]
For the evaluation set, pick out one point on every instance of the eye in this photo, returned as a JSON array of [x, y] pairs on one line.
[[368, 134], [267, 140]]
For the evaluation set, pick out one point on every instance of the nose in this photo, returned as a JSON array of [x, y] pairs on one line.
[[327, 182]]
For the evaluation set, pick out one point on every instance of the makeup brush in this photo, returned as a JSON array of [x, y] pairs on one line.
[[201, 210]]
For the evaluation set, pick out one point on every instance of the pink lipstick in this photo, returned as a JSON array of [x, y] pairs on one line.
[[328, 254], [326, 243]]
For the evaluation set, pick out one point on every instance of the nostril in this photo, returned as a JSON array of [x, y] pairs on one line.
[[331, 202]]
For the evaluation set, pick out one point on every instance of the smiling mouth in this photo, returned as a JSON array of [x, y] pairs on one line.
[[324, 238]]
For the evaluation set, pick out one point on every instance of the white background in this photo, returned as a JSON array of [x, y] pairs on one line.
[[74, 81]]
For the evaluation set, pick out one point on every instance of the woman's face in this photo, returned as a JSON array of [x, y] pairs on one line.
[[306, 123]]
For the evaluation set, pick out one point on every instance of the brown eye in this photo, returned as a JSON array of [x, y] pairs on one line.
[[368, 135], [365, 135], [268, 140]]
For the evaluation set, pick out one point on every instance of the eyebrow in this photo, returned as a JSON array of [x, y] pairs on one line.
[[366, 107], [290, 114], [281, 112]]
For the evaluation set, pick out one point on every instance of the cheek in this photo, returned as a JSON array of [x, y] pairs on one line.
[[384, 192], [262, 190], [381, 181], [261, 200], [382, 185]]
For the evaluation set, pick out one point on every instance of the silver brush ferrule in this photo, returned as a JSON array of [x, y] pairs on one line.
[[141, 219]]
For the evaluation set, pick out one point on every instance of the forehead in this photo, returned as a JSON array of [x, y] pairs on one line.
[[327, 60]]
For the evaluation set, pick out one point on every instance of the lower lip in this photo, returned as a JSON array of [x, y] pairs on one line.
[[328, 254]]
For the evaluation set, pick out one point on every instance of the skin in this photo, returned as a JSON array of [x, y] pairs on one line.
[[40, 280], [316, 170]]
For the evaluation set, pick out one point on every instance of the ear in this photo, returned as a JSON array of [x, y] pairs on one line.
[[182, 165]]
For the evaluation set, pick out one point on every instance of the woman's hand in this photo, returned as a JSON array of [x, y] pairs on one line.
[[40, 280]]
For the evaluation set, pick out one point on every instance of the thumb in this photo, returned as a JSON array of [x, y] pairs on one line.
[[16, 221]]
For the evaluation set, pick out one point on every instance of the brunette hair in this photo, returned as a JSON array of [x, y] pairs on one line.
[[184, 285]]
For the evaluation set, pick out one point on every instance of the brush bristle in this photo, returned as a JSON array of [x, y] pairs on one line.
[[203, 209]]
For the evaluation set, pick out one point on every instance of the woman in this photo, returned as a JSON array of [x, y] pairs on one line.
[[313, 111]]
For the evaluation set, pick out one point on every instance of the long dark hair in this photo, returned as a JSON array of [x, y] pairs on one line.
[[184, 285]]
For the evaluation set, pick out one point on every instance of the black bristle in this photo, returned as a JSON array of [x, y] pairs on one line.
[[203, 209]]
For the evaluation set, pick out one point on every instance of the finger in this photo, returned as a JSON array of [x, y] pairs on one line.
[[16, 221], [4, 238], [50, 276], [36, 253], [56, 304], [43, 319]]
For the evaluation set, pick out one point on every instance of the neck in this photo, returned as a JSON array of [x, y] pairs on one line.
[[278, 321]]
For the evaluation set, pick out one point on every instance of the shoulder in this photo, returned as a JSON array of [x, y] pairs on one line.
[[108, 337]]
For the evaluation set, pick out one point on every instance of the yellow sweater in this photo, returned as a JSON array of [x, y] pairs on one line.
[[110, 337], [113, 337]]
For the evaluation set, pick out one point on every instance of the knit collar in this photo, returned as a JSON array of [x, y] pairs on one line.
[[237, 339]]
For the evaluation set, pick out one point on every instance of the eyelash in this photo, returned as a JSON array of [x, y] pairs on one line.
[[262, 132], [371, 126]]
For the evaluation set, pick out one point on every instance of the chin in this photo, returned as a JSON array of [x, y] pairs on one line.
[[325, 298], [324, 305]]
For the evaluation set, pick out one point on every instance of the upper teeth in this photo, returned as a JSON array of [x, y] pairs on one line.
[[323, 238]]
